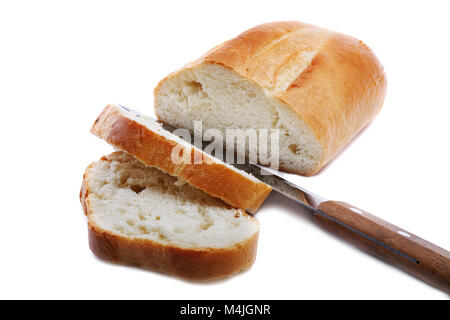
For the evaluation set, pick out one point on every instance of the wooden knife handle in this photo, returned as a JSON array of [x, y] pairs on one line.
[[396, 246]]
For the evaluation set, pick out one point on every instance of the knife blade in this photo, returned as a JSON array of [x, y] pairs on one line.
[[394, 245]]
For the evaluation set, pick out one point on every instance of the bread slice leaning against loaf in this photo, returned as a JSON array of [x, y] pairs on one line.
[[318, 87], [147, 141], [138, 215]]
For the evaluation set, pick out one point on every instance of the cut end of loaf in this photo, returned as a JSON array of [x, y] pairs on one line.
[[318, 87], [221, 99]]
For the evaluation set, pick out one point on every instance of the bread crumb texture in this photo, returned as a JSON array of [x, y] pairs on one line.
[[216, 96], [139, 202]]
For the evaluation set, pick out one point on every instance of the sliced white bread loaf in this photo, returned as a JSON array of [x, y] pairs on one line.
[[138, 215], [318, 87], [147, 141]]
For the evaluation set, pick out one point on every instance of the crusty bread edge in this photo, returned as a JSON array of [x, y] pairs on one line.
[[155, 150], [203, 264]]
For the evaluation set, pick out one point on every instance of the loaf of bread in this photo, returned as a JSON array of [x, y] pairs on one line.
[[147, 141], [138, 215], [318, 87]]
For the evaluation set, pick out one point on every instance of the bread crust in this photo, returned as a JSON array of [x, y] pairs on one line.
[[339, 92], [155, 150], [193, 264]]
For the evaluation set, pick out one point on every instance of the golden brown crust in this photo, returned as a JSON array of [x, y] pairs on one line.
[[193, 264], [199, 265], [339, 92], [84, 190], [155, 150]]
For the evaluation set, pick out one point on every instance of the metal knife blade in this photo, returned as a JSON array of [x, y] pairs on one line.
[[282, 183]]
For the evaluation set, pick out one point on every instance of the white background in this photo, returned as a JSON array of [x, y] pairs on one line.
[[61, 62]]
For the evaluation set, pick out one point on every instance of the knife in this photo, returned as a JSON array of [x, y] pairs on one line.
[[386, 241], [378, 237]]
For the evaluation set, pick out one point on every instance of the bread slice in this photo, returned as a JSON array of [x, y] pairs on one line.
[[318, 87], [138, 215], [147, 141]]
